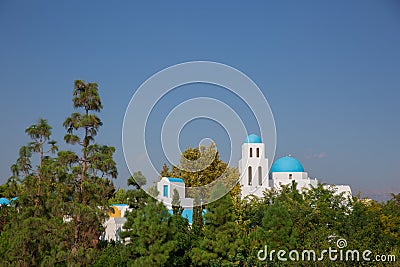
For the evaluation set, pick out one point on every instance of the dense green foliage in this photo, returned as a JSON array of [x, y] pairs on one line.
[[234, 230], [63, 198]]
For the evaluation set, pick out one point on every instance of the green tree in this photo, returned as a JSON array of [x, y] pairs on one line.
[[366, 229], [136, 197], [197, 220], [149, 235], [34, 230], [119, 197], [165, 171], [277, 229], [89, 171], [201, 166], [182, 234], [40, 134], [220, 244]]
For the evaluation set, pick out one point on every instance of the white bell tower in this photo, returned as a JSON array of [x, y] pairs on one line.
[[253, 167]]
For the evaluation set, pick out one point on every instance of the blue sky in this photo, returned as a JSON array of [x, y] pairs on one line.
[[330, 72]]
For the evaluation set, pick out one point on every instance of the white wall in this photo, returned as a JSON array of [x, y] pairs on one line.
[[185, 202], [255, 161], [171, 186], [113, 226], [301, 178]]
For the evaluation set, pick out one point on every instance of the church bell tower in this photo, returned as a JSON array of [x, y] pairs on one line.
[[253, 167]]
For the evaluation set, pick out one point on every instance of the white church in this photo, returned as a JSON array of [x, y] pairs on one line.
[[255, 178]]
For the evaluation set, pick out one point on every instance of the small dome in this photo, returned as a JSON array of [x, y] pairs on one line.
[[4, 201], [287, 164], [252, 138]]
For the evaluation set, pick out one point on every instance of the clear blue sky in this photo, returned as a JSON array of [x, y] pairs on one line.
[[329, 69]]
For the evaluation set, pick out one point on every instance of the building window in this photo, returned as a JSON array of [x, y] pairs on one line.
[[259, 175], [251, 152], [258, 152], [165, 191], [290, 176], [250, 175]]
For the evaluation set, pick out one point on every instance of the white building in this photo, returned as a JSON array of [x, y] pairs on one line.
[[166, 188], [113, 227], [253, 169], [114, 224]]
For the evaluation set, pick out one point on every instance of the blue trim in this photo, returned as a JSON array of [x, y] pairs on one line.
[[252, 138], [165, 194], [175, 180]]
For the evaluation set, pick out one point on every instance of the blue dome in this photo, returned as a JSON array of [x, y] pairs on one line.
[[287, 164], [4, 201], [252, 138]]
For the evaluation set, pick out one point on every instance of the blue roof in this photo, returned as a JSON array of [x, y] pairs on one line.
[[4, 201], [119, 205], [175, 180], [287, 164], [252, 138]]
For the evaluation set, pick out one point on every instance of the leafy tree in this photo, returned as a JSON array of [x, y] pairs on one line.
[[33, 229], [150, 235], [88, 171], [182, 234], [40, 134], [120, 196], [62, 202], [220, 244], [390, 220], [137, 180], [277, 228], [137, 197], [165, 171], [33, 241], [113, 254], [319, 217], [201, 166], [366, 229], [197, 220]]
